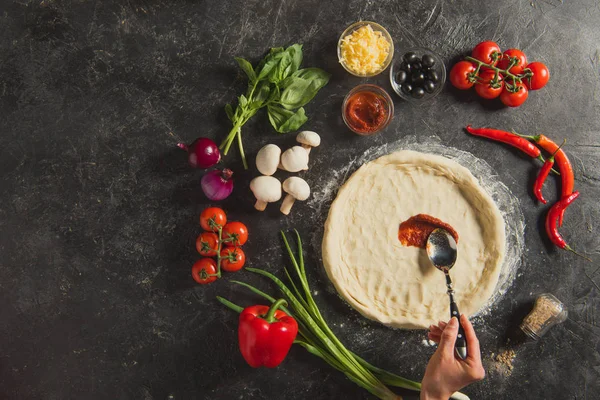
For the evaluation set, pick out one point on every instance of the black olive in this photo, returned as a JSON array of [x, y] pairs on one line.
[[406, 67], [401, 76], [429, 86], [406, 88], [416, 65], [417, 93], [410, 57], [417, 78], [428, 60], [433, 76]]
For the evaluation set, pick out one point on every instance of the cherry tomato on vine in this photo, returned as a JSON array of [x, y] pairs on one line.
[[485, 88], [513, 53], [232, 259], [540, 77], [461, 73], [202, 270], [207, 244], [514, 99], [484, 51], [216, 214], [235, 234]]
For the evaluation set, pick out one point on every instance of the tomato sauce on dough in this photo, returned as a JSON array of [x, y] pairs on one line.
[[415, 230]]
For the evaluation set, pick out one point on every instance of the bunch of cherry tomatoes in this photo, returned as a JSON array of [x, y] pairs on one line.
[[496, 74], [220, 239]]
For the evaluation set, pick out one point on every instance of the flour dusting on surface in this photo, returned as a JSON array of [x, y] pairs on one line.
[[325, 190]]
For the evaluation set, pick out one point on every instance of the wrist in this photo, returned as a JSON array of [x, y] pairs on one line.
[[428, 395]]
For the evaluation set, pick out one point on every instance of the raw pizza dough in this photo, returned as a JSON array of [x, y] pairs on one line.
[[397, 285]]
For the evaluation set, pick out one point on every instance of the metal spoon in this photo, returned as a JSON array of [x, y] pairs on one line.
[[441, 249]]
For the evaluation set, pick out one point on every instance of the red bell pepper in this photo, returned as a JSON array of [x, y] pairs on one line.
[[266, 334]]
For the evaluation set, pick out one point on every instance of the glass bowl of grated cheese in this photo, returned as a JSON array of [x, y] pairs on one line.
[[365, 49]]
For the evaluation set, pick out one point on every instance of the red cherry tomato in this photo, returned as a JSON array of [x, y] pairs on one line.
[[488, 52], [232, 259], [540, 77], [207, 244], [214, 214], [203, 269], [486, 88], [461, 73], [235, 234], [506, 59], [514, 99]]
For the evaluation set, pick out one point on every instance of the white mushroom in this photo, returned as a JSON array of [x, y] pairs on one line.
[[308, 139], [266, 189], [297, 189], [295, 159], [267, 159]]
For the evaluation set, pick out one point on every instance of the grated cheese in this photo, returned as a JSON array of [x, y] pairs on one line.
[[364, 51]]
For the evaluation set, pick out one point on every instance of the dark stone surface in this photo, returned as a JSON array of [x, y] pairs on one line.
[[98, 210]]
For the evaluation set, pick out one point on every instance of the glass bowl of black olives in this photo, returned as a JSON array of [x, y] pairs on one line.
[[418, 75]]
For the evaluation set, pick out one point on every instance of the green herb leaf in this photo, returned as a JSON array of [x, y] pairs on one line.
[[262, 62], [270, 64], [285, 120], [286, 82], [261, 94], [283, 68], [247, 68], [243, 101], [229, 111], [302, 87], [278, 116], [296, 94], [320, 77], [274, 95], [296, 52]]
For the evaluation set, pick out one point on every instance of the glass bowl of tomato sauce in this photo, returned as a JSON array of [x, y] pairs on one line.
[[367, 109]]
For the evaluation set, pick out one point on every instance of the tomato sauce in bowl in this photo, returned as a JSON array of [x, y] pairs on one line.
[[367, 109]]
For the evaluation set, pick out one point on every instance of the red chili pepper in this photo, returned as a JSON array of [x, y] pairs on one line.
[[541, 178], [266, 334], [509, 138], [552, 219], [567, 177]]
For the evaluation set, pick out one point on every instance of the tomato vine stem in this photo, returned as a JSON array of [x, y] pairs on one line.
[[505, 73], [213, 224]]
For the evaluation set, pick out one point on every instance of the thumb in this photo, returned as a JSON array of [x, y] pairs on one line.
[[448, 337]]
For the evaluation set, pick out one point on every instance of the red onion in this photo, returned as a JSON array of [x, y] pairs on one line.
[[202, 153], [217, 185]]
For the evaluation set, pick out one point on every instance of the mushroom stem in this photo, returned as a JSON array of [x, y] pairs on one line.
[[260, 205], [307, 147], [280, 166], [287, 204]]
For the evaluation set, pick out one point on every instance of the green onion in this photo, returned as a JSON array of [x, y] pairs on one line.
[[317, 338]]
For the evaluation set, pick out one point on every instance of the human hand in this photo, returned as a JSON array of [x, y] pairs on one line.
[[446, 373]]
